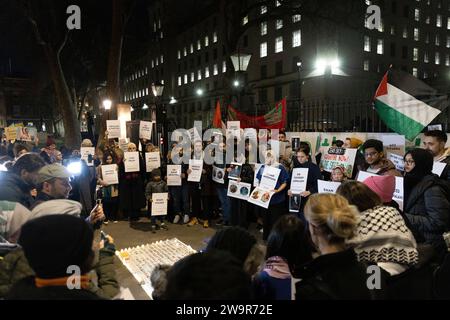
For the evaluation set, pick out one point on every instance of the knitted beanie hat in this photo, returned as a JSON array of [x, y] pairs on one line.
[[384, 186]]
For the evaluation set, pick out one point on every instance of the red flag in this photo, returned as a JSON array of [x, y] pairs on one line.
[[274, 119]]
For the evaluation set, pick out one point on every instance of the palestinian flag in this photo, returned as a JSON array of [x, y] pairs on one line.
[[406, 104], [274, 119]]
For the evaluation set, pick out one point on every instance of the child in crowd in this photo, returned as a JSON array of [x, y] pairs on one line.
[[338, 174], [156, 185]]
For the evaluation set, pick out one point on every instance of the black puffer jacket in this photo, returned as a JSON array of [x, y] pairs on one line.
[[428, 211]]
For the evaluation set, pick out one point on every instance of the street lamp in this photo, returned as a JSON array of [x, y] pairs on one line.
[[107, 105], [240, 62], [199, 92], [299, 66], [158, 89], [173, 100]]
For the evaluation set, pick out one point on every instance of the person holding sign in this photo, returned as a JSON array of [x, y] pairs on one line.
[[277, 204], [131, 188], [426, 200], [375, 160], [302, 160], [179, 193], [110, 192], [434, 141], [221, 187], [157, 185], [195, 187]]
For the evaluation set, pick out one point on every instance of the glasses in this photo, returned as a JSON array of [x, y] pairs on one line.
[[409, 161], [370, 154]]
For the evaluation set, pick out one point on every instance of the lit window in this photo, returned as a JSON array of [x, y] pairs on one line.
[[447, 60], [206, 41], [215, 70], [159, 23], [366, 44], [417, 14], [192, 76], [392, 31], [162, 35], [366, 65], [263, 28], [425, 57], [296, 39], [179, 55], [154, 26], [277, 3], [415, 72], [185, 52], [416, 34], [224, 67], [448, 41], [279, 24], [157, 61], [427, 20], [405, 32], [199, 45], [199, 75], [185, 79], [263, 50], [380, 46], [438, 21], [179, 80], [415, 54], [296, 18], [437, 58], [214, 37], [162, 59], [245, 20], [438, 40], [448, 23], [191, 49], [278, 44], [207, 72], [263, 9]]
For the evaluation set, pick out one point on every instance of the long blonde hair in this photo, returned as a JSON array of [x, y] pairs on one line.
[[333, 215]]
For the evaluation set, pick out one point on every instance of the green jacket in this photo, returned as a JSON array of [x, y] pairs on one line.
[[14, 267]]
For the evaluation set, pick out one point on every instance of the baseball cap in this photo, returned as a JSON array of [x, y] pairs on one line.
[[52, 171]]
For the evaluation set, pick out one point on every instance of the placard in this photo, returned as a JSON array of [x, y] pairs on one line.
[[123, 144], [152, 161], [363, 175], [85, 153], [435, 127], [113, 128], [110, 173], [327, 186], [397, 160], [159, 204], [196, 167], [11, 133], [239, 190], [399, 192], [261, 197], [131, 161], [251, 134], [299, 180], [145, 130], [26, 134], [295, 202], [334, 157], [269, 178], [218, 175], [394, 143], [174, 175], [235, 172], [257, 167], [438, 167]]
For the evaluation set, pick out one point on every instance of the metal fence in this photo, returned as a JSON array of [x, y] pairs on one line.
[[342, 115]]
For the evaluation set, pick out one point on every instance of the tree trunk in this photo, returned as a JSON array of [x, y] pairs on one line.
[[72, 134]]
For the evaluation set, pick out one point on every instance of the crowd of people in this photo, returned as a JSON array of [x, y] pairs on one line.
[[323, 251]]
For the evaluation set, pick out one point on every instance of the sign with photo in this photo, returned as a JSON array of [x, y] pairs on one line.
[[159, 204], [239, 190], [327, 186], [145, 130], [295, 202], [261, 197], [113, 128], [110, 173], [235, 172], [218, 174], [131, 161], [26, 134], [174, 175], [342, 157], [196, 167], [87, 154], [152, 161], [299, 180]]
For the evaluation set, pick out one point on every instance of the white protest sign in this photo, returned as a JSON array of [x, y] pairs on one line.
[[131, 161], [363, 175], [397, 160], [174, 175], [435, 127], [299, 180], [327, 186], [159, 204], [123, 144], [196, 167], [250, 133], [110, 173], [145, 130], [338, 157], [269, 178], [261, 197], [239, 190], [218, 175], [398, 193], [394, 143], [438, 168], [152, 161], [113, 128], [85, 153]]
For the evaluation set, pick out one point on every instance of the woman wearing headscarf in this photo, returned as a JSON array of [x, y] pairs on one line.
[[426, 198]]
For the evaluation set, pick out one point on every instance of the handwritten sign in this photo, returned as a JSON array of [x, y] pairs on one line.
[[110, 174], [131, 161], [334, 157], [159, 204], [394, 144], [113, 127], [397, 161]]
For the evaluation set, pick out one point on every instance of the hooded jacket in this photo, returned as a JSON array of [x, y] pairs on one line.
[[14, 189]]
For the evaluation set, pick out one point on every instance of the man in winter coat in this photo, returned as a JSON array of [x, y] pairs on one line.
[[435, 141]]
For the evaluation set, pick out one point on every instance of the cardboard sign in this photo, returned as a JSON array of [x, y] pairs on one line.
[[295, 202], [438, 168], [110, 173], [334, 157], [152, 161], [394, 144], [26, 134], [299, 180], [239, 190], [145, 130], [218, 175], [327, 186], [131, 161], [113, 128], [196, 167], [87, 154], [159, 204], [235, 172], [174, 175], [397, 160], [261, 197], [269, 178], [11, 133]]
